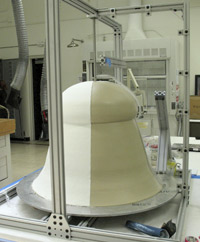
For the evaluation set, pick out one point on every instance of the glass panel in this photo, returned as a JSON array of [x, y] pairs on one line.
[[147, 68], [105, 70], [150, 85]]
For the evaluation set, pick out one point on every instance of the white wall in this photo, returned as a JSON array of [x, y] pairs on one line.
[[74, 24]]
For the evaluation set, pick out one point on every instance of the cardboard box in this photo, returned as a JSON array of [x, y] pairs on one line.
[[194, 107]]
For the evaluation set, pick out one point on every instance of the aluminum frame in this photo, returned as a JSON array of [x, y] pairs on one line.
[[164, 147], [140, 9], [56, 122], [113, 61]]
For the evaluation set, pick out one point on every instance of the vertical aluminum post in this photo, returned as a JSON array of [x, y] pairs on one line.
[[164, 148], [120, 43], [116, 53], [95, 49], [118, 46], [186, 73], [55, 107]]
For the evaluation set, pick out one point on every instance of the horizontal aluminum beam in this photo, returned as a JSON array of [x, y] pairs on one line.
[[29, 225], [96, 235], [112, 61], [164, 148], [93, 12], [140, 9]]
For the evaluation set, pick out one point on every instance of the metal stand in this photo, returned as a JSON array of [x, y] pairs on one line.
[[56, 125], [164, 148]]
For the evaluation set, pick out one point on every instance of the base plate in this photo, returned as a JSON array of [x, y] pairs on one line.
[[168, 192]]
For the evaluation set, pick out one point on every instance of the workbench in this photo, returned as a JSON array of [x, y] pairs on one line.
[[7, 127]]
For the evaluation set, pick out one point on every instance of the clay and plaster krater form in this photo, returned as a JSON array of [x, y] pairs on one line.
[[105, 160]]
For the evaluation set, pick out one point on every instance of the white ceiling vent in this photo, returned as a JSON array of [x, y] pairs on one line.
[[138, 52], [163, 52], [146, 52], [130, 53], [154, 52]]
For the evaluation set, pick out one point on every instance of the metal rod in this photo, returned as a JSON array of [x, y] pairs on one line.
[[55, 107], [186, 35], [89, 234], [94, 49], [181, 218], [120, 54], [140, 9], [114, 61], [89, 10], [30, 225], [115, 53], [164, 151]]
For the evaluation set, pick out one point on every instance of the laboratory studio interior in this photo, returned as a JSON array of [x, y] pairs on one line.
[[99, 120]]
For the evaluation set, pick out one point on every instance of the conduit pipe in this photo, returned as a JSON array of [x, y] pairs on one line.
[[14, 95]]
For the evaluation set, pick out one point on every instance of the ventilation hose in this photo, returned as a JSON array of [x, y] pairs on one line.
[[14, 95]]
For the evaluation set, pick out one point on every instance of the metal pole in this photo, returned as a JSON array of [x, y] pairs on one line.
[[120, 54], [140, 9], [180, 219], [89, 10], [186, 73], [55, 107], [94, 49], [115, 52]]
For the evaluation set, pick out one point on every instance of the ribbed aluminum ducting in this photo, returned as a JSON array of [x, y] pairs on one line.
[[22, 43]]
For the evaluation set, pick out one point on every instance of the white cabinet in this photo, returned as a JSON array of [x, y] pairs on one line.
[[5, 160], [7, 126]]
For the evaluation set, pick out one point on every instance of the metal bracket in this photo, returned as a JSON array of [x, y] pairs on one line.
[[112, 62], [58, 227], [113, 12], [185, 112], [183, 72], [183, 32], [185, 190], [148, 9], [92, 16]]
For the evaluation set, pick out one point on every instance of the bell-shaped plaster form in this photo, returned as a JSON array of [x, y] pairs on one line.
[[105, 160]]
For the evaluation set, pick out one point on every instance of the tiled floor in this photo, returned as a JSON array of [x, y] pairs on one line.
[[26, 158]]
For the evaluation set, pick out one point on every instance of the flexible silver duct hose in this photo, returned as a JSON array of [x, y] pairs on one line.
[[43, 86], [22, 43]]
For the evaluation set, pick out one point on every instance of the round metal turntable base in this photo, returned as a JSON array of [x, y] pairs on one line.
[[168, 192]]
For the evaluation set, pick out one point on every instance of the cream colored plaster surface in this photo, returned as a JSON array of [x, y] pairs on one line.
[[120, 170], [111, 103], [76, 103], [42, 184], [105, 160], [78, 164], [77, 148]]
